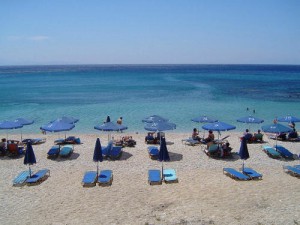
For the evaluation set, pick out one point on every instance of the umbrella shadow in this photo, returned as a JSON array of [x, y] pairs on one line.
[[124, 156], [6, 157], [233, 157], [175, 156], [73, 156]]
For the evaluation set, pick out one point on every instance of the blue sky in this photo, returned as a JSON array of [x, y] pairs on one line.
[[35, 32]]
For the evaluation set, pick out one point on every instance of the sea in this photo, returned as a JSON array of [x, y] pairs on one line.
[[176, 92]]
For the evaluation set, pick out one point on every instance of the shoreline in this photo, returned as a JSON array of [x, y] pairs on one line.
[[203, 195]]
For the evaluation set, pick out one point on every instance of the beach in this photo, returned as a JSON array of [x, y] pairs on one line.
[[203, 194]]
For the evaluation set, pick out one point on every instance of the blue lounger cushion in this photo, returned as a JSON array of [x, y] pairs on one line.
[[116, 152], [89, 179], [154, 177], [153, 151], [284, 152], [292, 170], [21, 178], [107, 149], [235, 174], [271, 152], [38, 177], [251, 173], [105, 177], [170, 176], [66, 150], [53, 151]]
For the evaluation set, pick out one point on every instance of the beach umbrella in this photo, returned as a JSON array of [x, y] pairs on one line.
[[8, 125], [154, 118], [67, 119], [24, 121], [244, 154], [57, 126], [163, 155], [29, 158], [98, 157], [110, 126], [218, 126], [204, 119], [276, 128], [288, 119], [250, 119]]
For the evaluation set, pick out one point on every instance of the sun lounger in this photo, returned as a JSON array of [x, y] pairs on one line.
[[212, 150], [105, 178], [170, 176], [297, 166], [38, 177], [251, 173], [66, 151], [154, 177], [53, 151], [69, 140], [190, 141], [284, 152], [89, 179], [235, 174], [34, 141], [113, 152], [153, 152], [107, 149], [21, 178], [271, 152], [292, 170]]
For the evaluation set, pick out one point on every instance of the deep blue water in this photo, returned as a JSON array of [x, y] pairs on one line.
[[178, 92]]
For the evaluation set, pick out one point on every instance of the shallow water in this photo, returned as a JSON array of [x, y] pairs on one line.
[[177, 92]]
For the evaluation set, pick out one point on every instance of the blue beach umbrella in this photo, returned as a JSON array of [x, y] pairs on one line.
[[57, 126], [67, 119], [110, 126], [276, 128], [160, 126], [8, 125], [24, 121], [204, 119], [154, 118], [244, 154], [250, 119], [218, 126], [98, 157], [288, 119], [163, 155], [29, 158]]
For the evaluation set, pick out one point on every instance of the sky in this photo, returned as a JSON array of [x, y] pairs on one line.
[[43, 32]]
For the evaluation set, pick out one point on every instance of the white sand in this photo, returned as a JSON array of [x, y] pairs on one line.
[[204, 195]]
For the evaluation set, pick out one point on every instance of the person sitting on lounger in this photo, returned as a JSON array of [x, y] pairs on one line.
[[293, 134], [150, 138], [3, 146], [226, 149], [195, 135], [282, 136], [210, 137], [258, 136]]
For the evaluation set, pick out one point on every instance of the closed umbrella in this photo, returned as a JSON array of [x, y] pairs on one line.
[[163, 155], [29, 158], [244, 154], [98, 157]]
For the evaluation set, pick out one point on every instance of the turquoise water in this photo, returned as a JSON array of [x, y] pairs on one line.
[[177, 92]]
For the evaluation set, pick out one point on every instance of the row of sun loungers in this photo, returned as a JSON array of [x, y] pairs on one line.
[[279, 151], [64, 151], [243, 174], [104, 178], [24, 178]]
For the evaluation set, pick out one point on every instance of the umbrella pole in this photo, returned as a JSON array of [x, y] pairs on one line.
[[97, 168], [243, 166], [162, 170], [29, 171]]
